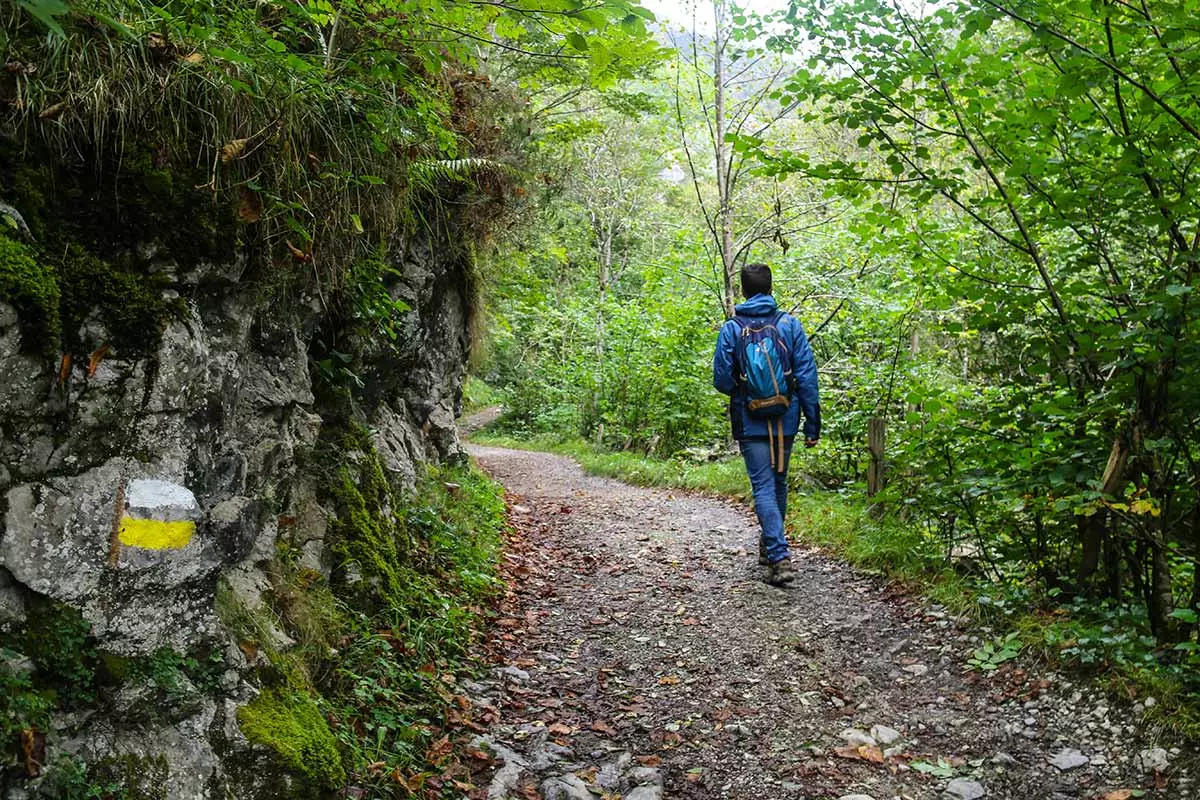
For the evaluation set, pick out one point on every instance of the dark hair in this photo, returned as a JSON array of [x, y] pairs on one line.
[[756, 279]]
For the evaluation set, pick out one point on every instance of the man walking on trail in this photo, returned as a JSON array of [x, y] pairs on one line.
[[763, 362]]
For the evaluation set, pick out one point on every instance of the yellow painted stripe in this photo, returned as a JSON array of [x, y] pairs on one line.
[[153, 534]]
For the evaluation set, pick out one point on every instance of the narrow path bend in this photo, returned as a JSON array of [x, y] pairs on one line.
[[650, 660]]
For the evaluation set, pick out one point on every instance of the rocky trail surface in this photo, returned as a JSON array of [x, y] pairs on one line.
[[643, 657]]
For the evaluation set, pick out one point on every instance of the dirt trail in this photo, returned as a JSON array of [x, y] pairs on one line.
[[648, 659]]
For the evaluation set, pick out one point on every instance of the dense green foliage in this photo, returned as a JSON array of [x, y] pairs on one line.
[[995, 253]]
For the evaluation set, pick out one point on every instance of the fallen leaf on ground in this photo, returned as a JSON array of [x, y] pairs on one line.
[[603, 727], [559, 729], [862, 753], [669, 680], [649, 761]]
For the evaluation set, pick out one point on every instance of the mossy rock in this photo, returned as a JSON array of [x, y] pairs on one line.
[[32, 289], [290, 724], [130, 305], [365, 535], [131, 777]]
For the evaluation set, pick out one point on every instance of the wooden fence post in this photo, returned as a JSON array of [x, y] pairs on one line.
[[876, 430]]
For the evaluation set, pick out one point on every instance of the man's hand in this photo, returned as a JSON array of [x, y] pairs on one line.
[[811, 442]]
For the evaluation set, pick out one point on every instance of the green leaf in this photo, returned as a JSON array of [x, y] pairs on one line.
[[1186, 615], [45, 11]]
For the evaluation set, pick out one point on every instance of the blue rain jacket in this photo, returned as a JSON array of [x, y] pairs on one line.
[[804, 367]]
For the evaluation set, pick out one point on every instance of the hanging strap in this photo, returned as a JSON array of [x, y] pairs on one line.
[[771, 444], [781, 462]]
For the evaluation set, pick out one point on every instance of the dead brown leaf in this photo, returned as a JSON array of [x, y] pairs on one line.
[[233, 150], [669, 680], [559, 729], [94, 361], [250, 206], [298, 254], [439, 750], [51, 112], [600, 726], [861, 753], [1117, 794]]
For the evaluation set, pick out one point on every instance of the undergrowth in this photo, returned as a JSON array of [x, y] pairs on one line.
[[1108, 642], [378, 646]]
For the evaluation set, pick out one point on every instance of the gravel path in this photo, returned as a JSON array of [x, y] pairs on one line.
[[645, 658]]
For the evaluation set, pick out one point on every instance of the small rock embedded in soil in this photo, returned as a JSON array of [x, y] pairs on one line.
[[857, 738], [963, 789], [856, 797], [885, 735], [1154, 759], [515, 673], [566, 787], [1069, 758]]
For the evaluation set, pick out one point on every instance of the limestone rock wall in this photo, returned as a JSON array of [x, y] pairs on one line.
[[131, 488]]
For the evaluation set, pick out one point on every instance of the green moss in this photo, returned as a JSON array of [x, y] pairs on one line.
[[364, 531], [55, 294], [290, 724], [123, 777], [32, 289], [129, 304], [131, 777], [58, 640]]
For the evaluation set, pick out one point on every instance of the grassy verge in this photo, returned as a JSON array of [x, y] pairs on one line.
[[364, 694], [1106, 643], [477, 395]]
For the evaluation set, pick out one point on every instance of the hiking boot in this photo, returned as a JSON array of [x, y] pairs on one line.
[[763, 561], [781, 573]]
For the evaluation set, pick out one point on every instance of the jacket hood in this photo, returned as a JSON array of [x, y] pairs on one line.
[[760, 305]]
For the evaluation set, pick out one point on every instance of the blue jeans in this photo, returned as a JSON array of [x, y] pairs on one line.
[[770, 493]]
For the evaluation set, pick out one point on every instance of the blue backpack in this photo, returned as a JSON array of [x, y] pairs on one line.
[[765, 366]]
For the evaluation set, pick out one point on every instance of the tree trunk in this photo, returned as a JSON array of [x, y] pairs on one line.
[[1093, 530], [721, 151], [876, 431], [1150, 426], [604, 234]]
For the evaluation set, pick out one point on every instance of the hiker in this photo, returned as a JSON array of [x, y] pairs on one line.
[[763, 362]]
